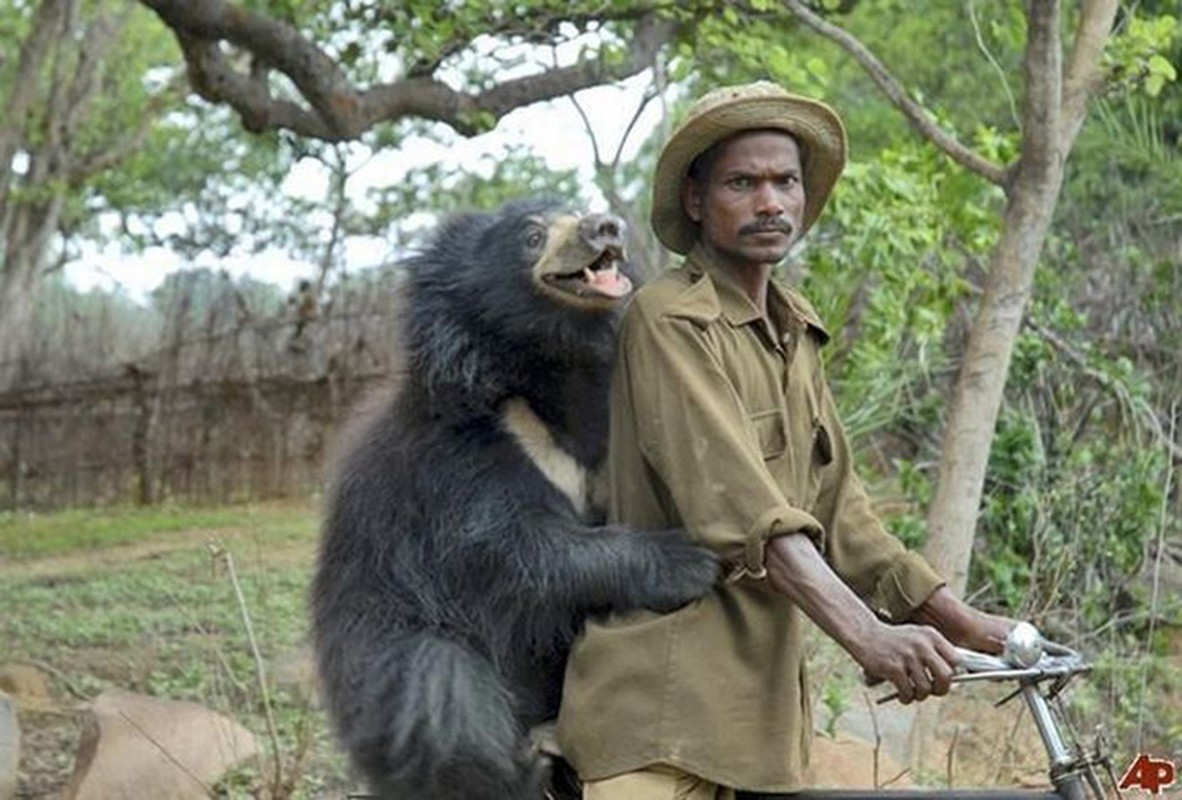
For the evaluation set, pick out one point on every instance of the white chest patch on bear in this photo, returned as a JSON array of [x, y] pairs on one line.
[[559, 467]]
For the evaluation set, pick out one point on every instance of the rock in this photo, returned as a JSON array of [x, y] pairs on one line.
[[135, 747], [24, 683], [10, 747], [846, 762]]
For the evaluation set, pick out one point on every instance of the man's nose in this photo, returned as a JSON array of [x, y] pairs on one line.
[[768, 201], [601, 231]]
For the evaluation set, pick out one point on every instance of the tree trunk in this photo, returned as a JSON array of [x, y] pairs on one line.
[[58, 77], [980, 385], [1054, 107], [20, 272]]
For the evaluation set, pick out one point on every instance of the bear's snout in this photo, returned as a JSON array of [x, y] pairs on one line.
[[602, 231]]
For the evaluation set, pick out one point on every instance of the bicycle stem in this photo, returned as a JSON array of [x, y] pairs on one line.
[[1057, 750]]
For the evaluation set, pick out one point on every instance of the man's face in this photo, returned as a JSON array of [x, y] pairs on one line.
[[749, 201]]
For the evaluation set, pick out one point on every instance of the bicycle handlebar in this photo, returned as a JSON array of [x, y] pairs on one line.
[[1027, 656]]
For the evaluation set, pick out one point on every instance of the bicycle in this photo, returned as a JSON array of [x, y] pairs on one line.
[[1041, 670]]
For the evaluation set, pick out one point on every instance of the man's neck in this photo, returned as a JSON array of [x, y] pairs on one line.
[[752, 279]]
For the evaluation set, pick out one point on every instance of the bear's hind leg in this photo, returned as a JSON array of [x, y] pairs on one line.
[[438, 723]]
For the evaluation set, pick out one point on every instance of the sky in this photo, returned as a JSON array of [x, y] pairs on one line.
[[554, 130]]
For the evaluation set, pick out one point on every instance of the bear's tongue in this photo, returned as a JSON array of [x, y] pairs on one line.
[[608, 281]]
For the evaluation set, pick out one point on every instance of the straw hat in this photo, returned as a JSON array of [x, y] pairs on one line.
[[727, 111]]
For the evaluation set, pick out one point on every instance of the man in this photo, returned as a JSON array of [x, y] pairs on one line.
[[722, 423]]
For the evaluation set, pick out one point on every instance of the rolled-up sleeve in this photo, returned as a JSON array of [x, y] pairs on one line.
[[697, 438]]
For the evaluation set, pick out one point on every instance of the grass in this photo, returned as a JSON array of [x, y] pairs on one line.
[[34, 535], [165, 621]]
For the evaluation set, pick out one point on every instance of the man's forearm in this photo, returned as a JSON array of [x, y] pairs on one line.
[[796, 570], [915, 658], [961, 623]]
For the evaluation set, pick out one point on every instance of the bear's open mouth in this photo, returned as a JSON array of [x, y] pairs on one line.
[[601, 277]]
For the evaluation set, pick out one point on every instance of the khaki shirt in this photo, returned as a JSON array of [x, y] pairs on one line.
[[725, 426]]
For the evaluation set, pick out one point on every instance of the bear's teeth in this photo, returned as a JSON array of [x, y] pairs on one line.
[[606, 275]]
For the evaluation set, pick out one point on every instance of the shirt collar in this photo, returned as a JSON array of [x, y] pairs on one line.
[[719, 294], [733, 302]]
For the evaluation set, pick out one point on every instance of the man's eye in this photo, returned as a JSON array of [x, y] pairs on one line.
[[739, 183]]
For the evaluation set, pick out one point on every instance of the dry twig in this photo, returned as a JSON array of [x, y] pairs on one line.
[[222, 554]]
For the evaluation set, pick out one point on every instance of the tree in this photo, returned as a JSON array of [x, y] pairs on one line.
[[1053, 110], [67, 117], [1057, 90], [343, 97]]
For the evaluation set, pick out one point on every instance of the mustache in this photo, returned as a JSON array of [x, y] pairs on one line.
[[774, 225]]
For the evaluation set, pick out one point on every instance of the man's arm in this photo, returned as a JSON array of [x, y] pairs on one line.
[[917, 659], [962, 624]]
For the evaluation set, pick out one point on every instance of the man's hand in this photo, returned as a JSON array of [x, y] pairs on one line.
[[915, 658]]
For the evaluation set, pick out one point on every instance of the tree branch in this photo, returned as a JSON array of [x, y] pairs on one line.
[[92, 163], [1083, 74], [35, 51], [335, 109], [914, 113]]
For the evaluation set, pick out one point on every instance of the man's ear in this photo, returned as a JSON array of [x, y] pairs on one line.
[[691, 200]]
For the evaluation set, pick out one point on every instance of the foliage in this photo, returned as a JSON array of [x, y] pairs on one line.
[[426, 192], [1076, 484], [76, 330], [887, 270], [192, 298], [198, 185], [80, 335], [834, 699], [1136, 60]]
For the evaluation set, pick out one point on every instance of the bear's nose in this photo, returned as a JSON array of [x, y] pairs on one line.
[[602, 231]]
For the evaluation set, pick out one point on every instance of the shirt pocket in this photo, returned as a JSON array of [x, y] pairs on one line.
[[822, 444], [770, 432], [820, 452]]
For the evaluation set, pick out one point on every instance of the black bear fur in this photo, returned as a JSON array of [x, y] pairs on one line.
[[453, 574]]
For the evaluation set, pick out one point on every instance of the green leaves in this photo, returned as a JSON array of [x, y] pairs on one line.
[[1135, 59], [885, 269]]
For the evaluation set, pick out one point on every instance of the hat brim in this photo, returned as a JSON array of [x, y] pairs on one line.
[[815, 126]]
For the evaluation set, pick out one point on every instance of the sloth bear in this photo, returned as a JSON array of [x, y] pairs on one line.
[[461, 546]]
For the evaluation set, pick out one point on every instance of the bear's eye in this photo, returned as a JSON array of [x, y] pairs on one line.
[[535, 238]]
